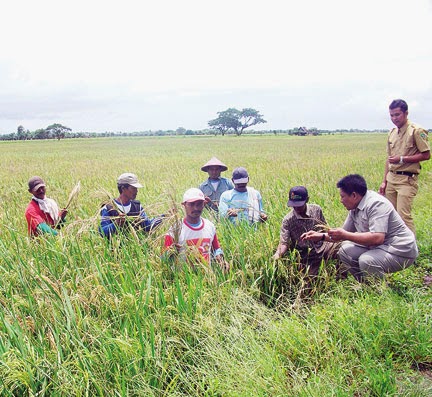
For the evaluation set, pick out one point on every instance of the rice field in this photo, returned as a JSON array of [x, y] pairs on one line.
[[80, 317]]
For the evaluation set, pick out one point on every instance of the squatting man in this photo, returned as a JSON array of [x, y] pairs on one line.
[[375, 238]]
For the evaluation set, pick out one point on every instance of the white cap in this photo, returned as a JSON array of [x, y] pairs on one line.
[[128, 179], [193, 194]]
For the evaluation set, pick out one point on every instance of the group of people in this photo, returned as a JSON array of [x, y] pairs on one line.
[[378, 235]]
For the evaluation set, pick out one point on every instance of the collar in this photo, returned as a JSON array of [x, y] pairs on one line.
[[298, 216], [403, 129], [362, 203]]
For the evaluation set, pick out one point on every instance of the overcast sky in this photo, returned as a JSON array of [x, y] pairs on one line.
[[149, 65]]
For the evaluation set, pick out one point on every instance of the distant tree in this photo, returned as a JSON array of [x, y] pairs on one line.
[[57, 130], [40, 134], [248, 118], [22, 133], [236, 120], [180, 131]]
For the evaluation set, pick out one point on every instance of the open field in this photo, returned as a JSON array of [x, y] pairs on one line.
[[78, 318]]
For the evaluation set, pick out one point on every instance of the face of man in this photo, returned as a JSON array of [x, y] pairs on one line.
[[214, 171], [39, 193], [240, 187], [349, 201], [130, 193], [300, 210], [194, 210], [398, 117]]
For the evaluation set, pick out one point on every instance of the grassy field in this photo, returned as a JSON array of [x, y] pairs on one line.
[[78, 317]]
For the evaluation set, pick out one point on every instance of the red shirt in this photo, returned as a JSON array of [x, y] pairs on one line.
[[36, 216]]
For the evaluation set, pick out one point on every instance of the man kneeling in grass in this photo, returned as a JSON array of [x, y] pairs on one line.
[[375, 238], [195, 239], [303, 217]]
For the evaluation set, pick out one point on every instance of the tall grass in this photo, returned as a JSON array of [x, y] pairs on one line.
[[80, 316]]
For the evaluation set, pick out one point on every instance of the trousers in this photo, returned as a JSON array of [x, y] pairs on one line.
[[400, 191], [362, 261]]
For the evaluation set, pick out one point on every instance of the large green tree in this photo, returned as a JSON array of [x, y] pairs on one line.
[[236, 120], [57, 130]]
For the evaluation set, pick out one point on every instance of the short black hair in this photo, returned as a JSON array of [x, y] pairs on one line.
[[122, 186], [353, 183], [399, 103]]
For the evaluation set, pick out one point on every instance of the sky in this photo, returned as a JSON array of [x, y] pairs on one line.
[[140, 65]]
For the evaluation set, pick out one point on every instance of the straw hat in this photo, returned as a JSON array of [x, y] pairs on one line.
[[214, 161]]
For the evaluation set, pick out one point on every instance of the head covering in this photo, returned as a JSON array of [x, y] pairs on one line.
[[193, 194], [128, 179], [240, 175], [298, 196], [35, 182], [214, 161]]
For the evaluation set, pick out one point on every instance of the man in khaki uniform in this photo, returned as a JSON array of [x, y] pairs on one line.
[[407, 145]]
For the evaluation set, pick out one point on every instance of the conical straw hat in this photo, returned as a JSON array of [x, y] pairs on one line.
[[214, 161]]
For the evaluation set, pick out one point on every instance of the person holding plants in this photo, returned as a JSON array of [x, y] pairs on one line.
[[375, 239], [242, 204], [301, 218], [407, 146], [125, 212], [42, 213], [194, 239], [215, 185]]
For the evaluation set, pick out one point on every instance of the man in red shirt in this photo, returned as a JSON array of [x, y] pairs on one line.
[[42, 213]]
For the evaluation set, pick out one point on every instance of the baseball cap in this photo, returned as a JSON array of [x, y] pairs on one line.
[[128, 179], [193, 194], [35, 182], [240, 175], [298, 196], [214, 161]]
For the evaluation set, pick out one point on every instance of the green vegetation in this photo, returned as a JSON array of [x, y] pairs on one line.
[[79, 317]]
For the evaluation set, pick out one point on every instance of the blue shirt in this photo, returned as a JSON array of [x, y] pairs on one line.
[[133, 208], [248, 204]]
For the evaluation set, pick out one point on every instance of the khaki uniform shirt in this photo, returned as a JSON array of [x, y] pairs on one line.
[[409, 140]]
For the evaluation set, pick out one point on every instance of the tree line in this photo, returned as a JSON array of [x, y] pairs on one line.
[[230, 121]]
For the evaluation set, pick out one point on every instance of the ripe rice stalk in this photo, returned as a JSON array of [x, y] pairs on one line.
[[73, 194]]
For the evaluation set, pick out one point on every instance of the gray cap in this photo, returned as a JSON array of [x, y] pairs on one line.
[[128, 179]]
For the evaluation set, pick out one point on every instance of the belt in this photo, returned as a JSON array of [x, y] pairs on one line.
[[404, 173]]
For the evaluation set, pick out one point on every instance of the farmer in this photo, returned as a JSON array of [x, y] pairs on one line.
[[375, 238], [124, 211], [215, 185], [243, 203], [407, 146], [195, 239], [301, 218], [42, 213]]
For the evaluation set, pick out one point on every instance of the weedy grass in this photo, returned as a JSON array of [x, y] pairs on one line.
[[81, 316]]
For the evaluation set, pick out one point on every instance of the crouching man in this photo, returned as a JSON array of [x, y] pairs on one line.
[[375, 239]]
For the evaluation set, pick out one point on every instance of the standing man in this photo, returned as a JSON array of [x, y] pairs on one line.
[[243, 203], [300, 219], [215, 185], [125, 211], [375, 238], [42, 213], [407, 145], [195, 239]]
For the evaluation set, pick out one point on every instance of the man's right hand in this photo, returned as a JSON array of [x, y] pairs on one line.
[[382, 188]]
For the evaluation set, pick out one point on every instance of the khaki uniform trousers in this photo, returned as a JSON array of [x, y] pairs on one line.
[[400, 191]]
